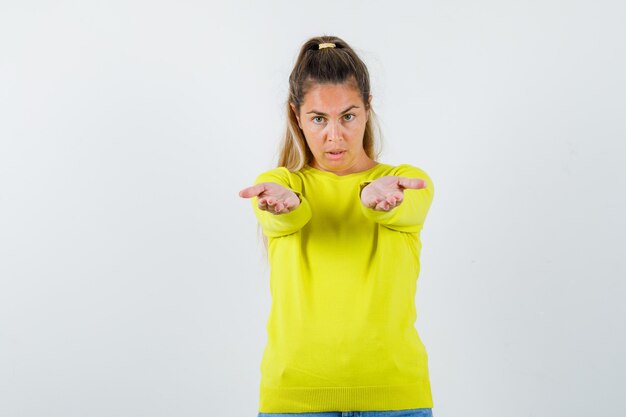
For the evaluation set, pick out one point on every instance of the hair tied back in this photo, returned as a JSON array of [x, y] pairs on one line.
[[326, 45]]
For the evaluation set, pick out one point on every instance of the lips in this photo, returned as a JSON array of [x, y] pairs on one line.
[[335, 156]]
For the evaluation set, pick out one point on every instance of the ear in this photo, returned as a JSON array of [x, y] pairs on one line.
[[369, 104], [295, 112]]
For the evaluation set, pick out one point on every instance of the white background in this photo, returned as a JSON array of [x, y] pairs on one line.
[[132, 279]]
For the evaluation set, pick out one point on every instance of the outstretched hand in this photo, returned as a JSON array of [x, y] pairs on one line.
[[272, 197], [385, 193]]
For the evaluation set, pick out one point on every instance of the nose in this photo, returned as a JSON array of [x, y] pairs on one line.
[[334, 132]]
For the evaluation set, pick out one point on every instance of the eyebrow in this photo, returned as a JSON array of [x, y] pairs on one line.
[[324, 114]]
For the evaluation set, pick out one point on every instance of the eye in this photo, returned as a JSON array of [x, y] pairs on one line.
[[317, 117], [353, 116]]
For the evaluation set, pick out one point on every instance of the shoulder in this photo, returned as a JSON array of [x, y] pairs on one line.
[[271, 174], [279, 175], [408, 170]]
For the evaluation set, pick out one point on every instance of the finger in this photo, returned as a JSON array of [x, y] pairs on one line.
[[383, 205], [281, 210], [392, 202], [395, 198], [388, 205], [252, 191], [414, 183], [374, 203]]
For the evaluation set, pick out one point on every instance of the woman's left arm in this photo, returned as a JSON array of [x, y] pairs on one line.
[[399, 202]]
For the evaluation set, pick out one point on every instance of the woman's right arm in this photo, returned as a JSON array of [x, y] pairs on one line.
[[279, 209]]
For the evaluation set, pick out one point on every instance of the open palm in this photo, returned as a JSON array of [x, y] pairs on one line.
[[272, 197], [385, 193]]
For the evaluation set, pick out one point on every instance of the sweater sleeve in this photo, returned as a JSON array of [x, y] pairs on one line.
[[276, 225], [410, 214]]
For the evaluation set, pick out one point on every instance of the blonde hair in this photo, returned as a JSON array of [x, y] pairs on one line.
[[333, 65], [336, 65]]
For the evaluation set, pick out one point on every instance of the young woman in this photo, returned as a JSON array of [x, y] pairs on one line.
[[343, 238]]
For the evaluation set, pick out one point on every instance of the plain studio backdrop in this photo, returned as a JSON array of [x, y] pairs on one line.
[[132, 278]]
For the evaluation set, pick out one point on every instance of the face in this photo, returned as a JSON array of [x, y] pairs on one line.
[[332, 118]]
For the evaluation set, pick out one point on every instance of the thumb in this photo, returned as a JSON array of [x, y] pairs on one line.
[[414, 183], [252, 191]]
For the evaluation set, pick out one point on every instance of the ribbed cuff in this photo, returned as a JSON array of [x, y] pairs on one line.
[[316, 399]]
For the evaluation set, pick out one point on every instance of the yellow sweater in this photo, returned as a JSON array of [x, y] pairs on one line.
[[341, 333]]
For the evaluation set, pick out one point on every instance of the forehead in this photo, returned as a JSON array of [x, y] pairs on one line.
[[331, 97]]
